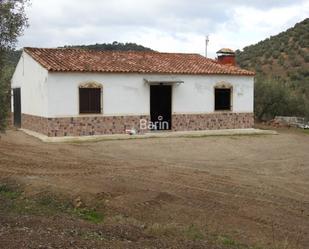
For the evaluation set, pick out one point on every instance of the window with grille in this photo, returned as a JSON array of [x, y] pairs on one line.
[[89, 100]]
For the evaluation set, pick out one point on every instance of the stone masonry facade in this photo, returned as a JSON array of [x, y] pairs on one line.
[[213, 121], [34, 123], [81, 126], [101, 125]]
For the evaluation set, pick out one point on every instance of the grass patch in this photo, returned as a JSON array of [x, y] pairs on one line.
[[88, 215], [193, 233], [231, 243], [227, 241], [8, 192], [52, 205], [43, 205]]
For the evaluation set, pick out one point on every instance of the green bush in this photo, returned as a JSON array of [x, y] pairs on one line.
[[295, 62], [276, 54], [4, 97], [273, 98], [13, 20], [281, 60]]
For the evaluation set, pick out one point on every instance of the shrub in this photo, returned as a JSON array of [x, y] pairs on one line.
[[4, 98], [295, 62], [276, 54], [281, 60], [273, 98]]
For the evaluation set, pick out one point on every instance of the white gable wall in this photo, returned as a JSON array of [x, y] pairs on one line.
[[31, 77], [127, 94]]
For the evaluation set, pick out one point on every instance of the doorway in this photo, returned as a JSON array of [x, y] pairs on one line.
[[161, 107], [17, 107]]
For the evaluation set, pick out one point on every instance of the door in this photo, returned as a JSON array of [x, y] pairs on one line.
[[17, 107], [161, 107]]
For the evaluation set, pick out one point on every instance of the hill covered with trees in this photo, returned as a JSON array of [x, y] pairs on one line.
[[13, 56], [282, 66], [113, 46]]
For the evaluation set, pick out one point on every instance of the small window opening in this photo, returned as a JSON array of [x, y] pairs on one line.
[[89, 100], [222, 99]]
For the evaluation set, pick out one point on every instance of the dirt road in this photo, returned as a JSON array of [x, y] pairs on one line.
[[253, 188]]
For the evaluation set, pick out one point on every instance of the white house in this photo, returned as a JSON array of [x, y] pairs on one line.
[[71, 92]]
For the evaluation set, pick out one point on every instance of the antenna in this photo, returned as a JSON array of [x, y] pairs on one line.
[[207, 42]]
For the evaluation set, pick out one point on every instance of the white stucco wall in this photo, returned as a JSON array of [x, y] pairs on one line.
[[31, 78], [123, 94], [196, 95], [127, 94]]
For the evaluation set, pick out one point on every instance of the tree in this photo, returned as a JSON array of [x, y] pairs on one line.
[[5, 76], [272, 99], [13, 20]]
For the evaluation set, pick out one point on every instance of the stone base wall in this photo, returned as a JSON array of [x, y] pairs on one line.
[[96, 125], [34, 123], [81, 126], [99, 125], [213, 121]]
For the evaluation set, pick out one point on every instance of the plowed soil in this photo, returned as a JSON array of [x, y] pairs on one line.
[[254, 189]]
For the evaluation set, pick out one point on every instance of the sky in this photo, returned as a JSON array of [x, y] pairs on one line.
[[163, 25]]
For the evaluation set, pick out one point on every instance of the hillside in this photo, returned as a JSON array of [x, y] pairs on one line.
[[113, 46], [13, 56], [282, 60], [284, 56]]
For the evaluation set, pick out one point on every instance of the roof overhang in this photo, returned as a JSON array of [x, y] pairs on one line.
[[162, 81]]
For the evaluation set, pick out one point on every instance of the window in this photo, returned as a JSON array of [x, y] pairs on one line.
[[89, 100], [223, 99]]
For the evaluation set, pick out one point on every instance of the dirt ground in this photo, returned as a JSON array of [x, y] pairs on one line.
[[254, 189]]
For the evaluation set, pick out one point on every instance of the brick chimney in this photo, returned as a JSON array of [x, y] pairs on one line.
[[226, 56]]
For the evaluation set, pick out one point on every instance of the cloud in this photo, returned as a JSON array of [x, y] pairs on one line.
[[174, 25]]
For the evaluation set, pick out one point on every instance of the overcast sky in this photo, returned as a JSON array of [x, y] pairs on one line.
[[163, 25]]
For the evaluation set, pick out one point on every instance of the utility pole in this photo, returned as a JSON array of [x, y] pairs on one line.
[[206, 49]]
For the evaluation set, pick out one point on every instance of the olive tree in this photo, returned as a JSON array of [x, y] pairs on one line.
[[272, 98], [13, 20]]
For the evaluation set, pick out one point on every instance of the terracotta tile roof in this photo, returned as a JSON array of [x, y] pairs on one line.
[[76, 60]]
